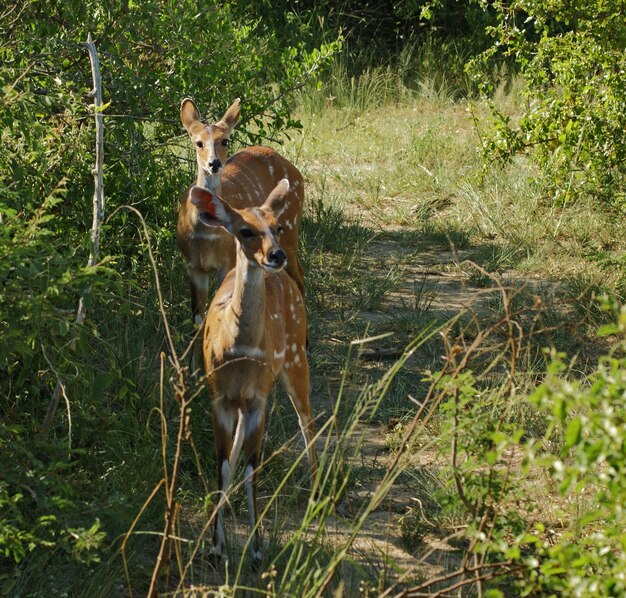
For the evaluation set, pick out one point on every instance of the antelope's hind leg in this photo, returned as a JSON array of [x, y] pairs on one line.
[[295, 380]]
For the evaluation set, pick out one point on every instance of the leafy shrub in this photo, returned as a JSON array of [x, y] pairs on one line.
[[581, 455], [570, 56], [589, 558]]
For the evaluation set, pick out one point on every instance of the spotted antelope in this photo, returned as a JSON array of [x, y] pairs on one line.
[[255, 332], [243, 180]]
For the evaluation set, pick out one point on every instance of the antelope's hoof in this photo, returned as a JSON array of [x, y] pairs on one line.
[[215, 554]]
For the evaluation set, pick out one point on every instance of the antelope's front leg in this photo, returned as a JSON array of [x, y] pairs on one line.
[[223, 426], [199, 287], [255, 424]]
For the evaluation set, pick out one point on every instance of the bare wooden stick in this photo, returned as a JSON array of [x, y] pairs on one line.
[[98, 216], [98, 192]]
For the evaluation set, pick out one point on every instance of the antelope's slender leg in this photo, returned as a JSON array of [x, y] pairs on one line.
[[223, 426]]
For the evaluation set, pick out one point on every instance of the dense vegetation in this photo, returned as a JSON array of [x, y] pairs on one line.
[[505, 405]]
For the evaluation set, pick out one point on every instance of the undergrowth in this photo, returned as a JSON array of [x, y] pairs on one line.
[[441, 299]]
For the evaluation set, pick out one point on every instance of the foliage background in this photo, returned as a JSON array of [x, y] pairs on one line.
[[67, 499], [57, 493]]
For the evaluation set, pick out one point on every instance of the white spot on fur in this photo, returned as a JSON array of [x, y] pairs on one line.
[[199, 279], [293, 348], [205, 236], [279, 354], [296, 359]]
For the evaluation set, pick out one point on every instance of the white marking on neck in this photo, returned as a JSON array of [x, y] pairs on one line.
[[246, 351], [205, 235], [279, 354]]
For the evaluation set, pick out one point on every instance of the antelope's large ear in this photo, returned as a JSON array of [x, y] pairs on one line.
[[212, 211], [276, 199], [231, 116], [188, 113]]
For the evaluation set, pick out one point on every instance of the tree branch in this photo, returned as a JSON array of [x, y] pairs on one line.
[[98, 216]]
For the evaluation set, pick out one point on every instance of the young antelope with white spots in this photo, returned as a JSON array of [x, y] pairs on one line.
[[255, 332], [243, 180]]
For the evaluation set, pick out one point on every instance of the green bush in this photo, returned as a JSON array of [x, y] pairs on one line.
[[589, 558], [570, 57], [581, 456]]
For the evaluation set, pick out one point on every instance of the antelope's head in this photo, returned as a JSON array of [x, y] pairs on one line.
[[210, 141], [256, 229]]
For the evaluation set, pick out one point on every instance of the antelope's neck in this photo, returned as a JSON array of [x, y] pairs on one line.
[[210, 183], [247, 307]]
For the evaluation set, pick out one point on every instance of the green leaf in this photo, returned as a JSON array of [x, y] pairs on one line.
[[573, 432]]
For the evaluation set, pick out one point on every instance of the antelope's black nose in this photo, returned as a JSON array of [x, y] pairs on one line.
[[215, 164], [278, 256]]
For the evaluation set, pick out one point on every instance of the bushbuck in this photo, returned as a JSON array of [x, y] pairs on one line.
[[255, 332]]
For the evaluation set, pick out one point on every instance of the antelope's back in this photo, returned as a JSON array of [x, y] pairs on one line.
[[249, 176], [252, 173]]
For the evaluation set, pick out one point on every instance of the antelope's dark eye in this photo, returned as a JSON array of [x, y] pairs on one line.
[[225, 142], [199, 144], [280, 230], [246, 233]]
